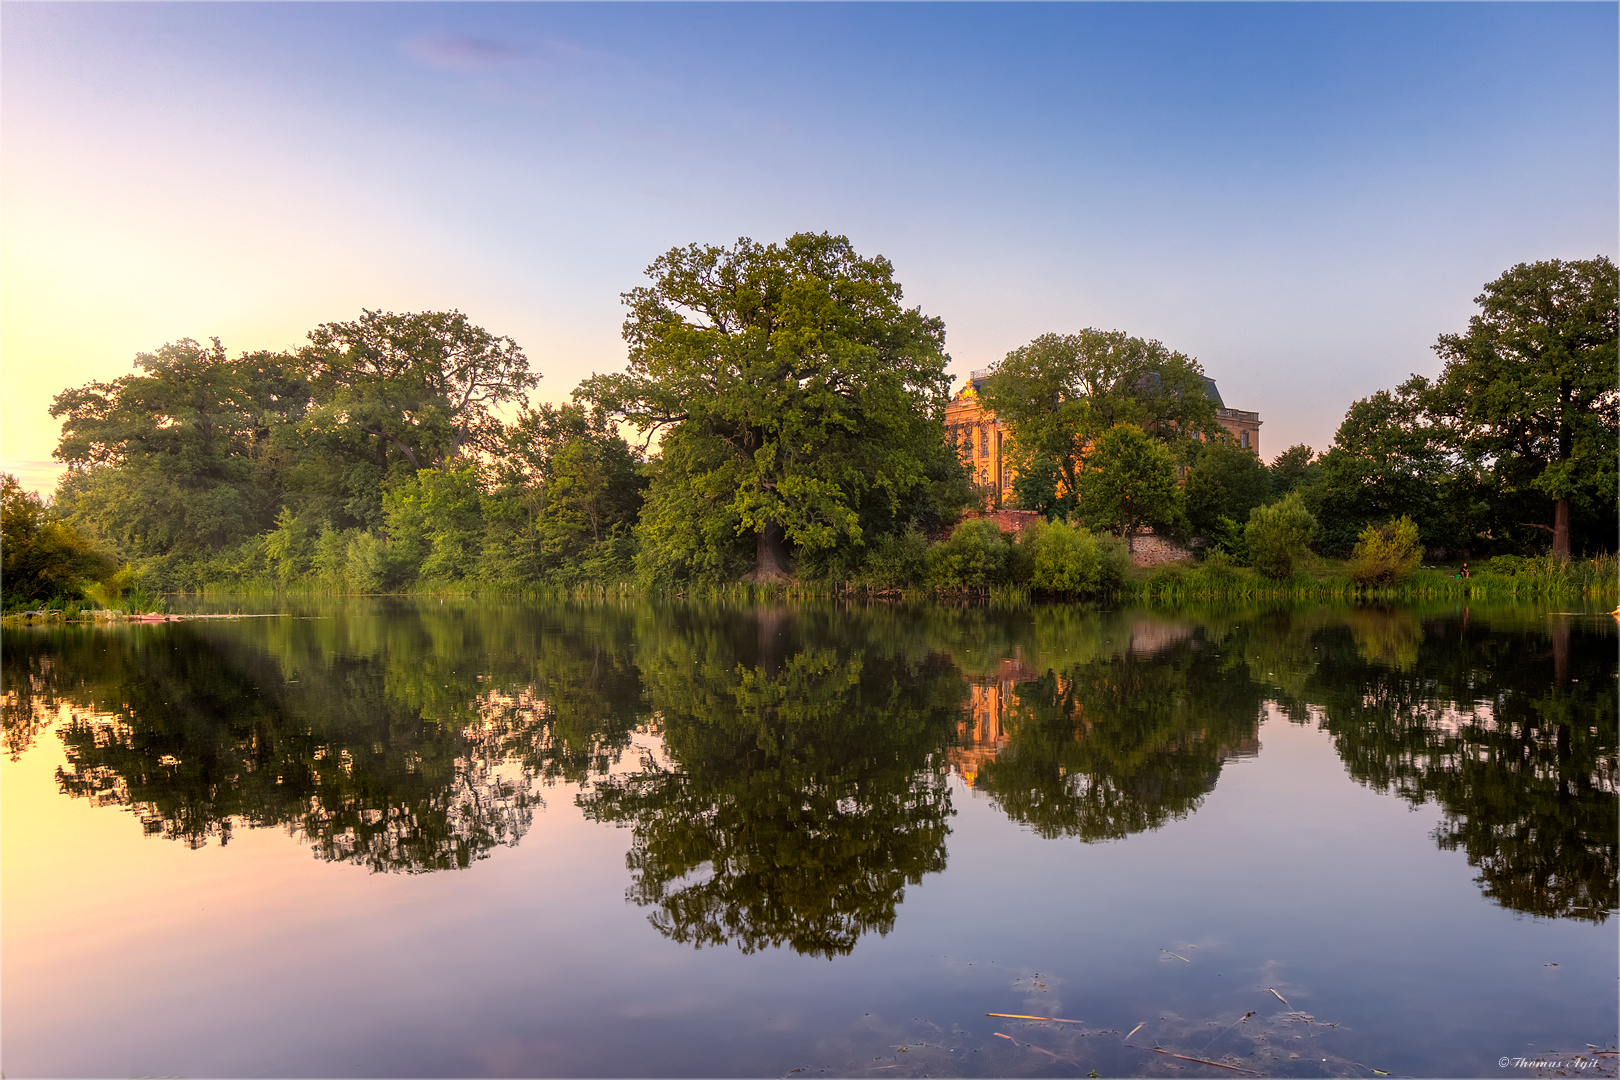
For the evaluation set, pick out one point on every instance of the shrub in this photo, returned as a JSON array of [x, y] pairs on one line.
[[1277, 535], [1071, 560], [43, 556], [331, 557], [1508, 565], [371, 566], [290, 547], [896, 561], [1386, 553], [976, 556]]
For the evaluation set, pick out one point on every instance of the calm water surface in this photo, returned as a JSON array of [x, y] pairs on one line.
[[500, 838]]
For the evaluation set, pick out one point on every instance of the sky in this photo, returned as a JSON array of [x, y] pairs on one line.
[[1301, 196]]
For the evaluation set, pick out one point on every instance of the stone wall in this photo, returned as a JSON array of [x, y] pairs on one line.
[[1011, 521], [1150, 550]]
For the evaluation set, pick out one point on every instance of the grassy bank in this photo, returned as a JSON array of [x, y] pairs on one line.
[[1170, 585], [1328, 580]]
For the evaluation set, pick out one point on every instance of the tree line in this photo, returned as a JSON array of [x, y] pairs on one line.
[[789, 412]]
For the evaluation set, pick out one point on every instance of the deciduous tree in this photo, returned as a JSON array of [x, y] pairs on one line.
[[1532, 390], [1224, 480], [424, 385], [181, 452], [1061, 391], [1130, 484], [798, 387]]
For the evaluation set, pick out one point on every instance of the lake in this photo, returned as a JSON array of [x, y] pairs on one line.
[[467, 838]]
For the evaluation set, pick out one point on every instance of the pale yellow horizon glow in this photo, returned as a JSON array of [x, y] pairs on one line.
[[97, 267]]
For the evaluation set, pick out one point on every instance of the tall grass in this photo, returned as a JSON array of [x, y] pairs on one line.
[[1595, 579]]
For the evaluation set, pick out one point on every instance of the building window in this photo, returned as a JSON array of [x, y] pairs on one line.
[[1244, 440], [984, 442]]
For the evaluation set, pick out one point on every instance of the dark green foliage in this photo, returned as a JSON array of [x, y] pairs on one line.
[[1512, 447], [1292, 469], [805, 777], [423, 385], [1225, 480], [1130, 484], [384, 740], [1525, 780], [1061, 392], [801, 777], [977, 556], [801, 390], [1277, 536], [1039, 487], [1121, 745], [1531, 392], [1066, 560], [44, 557], [1385, 462], [181, 457]]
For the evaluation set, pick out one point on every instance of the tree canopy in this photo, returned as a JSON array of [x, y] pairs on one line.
[[797, 386], [424, 385], [190, 442], [1061, 391], [1532, 391], [1130, 484]]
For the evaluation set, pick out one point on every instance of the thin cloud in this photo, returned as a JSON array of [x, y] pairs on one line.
[[458, 52]]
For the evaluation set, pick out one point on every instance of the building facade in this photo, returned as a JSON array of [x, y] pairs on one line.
[[984, 444]]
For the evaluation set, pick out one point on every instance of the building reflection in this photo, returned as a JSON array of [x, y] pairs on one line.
[[1108, 747]]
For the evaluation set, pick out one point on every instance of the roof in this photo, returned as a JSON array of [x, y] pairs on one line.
[[977, 376]]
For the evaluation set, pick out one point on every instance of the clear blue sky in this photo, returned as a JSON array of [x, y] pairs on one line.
[[1301, 196]]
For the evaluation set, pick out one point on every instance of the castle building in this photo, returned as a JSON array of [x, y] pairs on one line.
[[985, 446]]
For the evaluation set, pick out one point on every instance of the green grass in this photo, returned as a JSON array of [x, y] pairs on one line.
[[1324, 579]]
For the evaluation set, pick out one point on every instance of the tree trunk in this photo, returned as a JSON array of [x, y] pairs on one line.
[[770, 554], [772, 625], [1560, 650], [1560, 549]]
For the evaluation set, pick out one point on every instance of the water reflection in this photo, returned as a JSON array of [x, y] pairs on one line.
[[1511, 732], [797, 776], [373, 740], [1115, 746], [802, 787]]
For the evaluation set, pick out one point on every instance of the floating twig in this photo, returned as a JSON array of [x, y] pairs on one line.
[[1021, 1016], [1135, 1029], [1202, 1061], [1280, 997]]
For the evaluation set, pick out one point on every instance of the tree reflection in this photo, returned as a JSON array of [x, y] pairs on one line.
[[409, 744], [1512, 731], [803, 788], [800, 784], [1122, 745]]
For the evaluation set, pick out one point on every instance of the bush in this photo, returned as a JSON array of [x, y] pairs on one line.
[[896, 561], [43, 556], [371, 565], [976, 556], [1277, 536], [1386, 553], [1071, 560], [290, 547], [1508, 565]]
